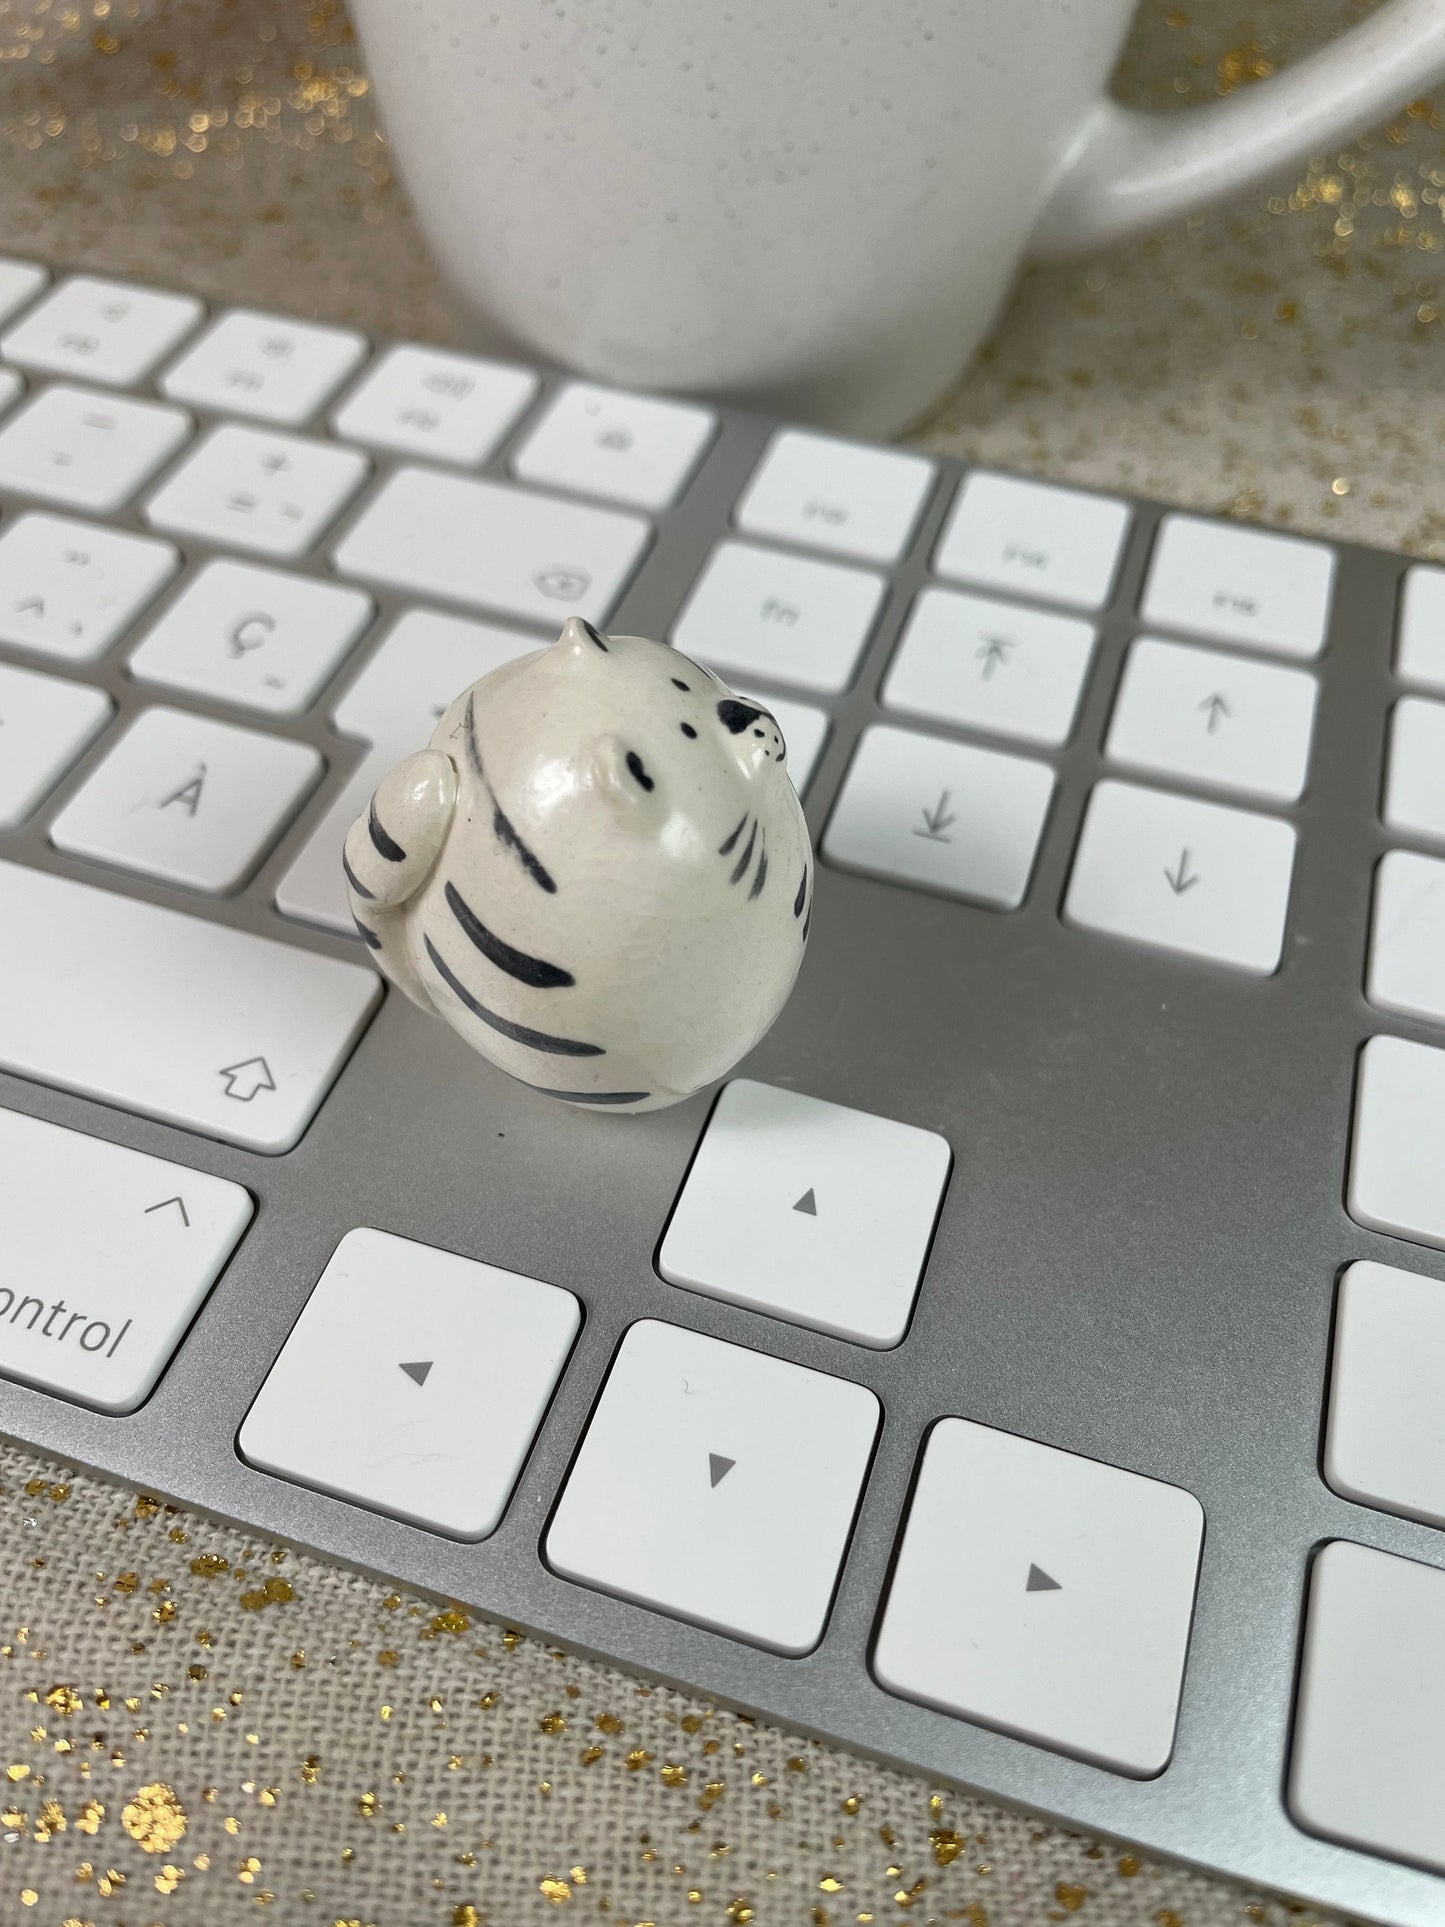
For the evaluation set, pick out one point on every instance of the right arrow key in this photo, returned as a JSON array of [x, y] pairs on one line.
[[1095, 1669]]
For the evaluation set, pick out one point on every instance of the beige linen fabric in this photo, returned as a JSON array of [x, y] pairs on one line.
[[202, 1729]]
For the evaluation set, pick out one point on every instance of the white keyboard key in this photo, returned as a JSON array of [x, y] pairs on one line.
[[44, 725], [68, 589], [916, 809], [413, 1383], [1397, 1156], [272, 494], [625, 448], [1032, 539], [810, 1211], [1415, 771], [1420, 637], [718, 1485], [423, 662], [1406, 969], [805, 730], [446, 408], [846, 497], [108, 1254], [1222, 721], [264, 365], [97, 330], [761, 612], [20, 281], [12, 387], [1199, 878], [1045, 1594], [1243, 585], [991, 666], [1384, 1443], [493, 547], [222, 1032], [253, 636], [87, 451], [185, 798], [1368, 1759]]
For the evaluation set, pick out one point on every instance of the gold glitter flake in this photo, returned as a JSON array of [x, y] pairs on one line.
[[638, 1758], [1070, 1896], [210, 1565], [559, 1892], [28, 1897], [273, 1591], [310, 1770], [467, 1916], [63, 1700], [608, 1723], [672, 1775], [741, 1911], [155, 1818], [553, 1723], [946, 1844]]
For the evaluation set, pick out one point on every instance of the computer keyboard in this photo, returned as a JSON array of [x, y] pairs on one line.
[[1030, 1368]]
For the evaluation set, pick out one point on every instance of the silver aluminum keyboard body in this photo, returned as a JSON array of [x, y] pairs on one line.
[[1136, 1260]]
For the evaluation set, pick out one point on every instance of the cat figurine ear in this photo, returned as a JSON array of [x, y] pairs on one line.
[[598, 872]]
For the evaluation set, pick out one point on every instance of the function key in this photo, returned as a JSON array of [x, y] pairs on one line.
[[264, 365], [1251, 586], [109, 1252], [494, 547], [104, 331], [258, 637], [991, 666], [847, 497], [810, 1211], [20, 281], [1406, 970], [68, 589], [1033, 539], [46, 723], [625, 448], [718, 1485], [1415, 770], [1384, 1443], [1061, 1614], [87, 451], [947, 816], [1198, 878], [1218, 720], [1367, 1764], [761, 612], [189, 799], [413, 1383], [447, 408], [272, 494], [1420, 637], [1397, 1153]]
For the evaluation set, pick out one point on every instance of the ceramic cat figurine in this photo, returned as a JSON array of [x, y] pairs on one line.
[[598, 872]]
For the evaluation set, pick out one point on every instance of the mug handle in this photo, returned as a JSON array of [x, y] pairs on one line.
[[1129, 170]]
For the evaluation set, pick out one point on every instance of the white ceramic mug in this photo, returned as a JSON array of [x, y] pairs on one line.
[[813, 205]]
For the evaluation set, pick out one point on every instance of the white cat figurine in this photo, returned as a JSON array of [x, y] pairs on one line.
[[598, 872]]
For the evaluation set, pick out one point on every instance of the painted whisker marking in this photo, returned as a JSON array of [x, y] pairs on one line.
[[502, 826], [801, 898], [368, 937], [724, 847], [762, 876], [747, 856], [540, 1040]]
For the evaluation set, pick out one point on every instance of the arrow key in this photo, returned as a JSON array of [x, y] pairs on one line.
[[811, 1211], [1223, 721], [1083, 1652], [439, 1441], [1199, 878]]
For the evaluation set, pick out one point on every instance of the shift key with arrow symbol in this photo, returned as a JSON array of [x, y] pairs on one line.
[[245, 1079]]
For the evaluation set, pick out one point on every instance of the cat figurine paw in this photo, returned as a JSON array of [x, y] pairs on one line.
[[598, 872]]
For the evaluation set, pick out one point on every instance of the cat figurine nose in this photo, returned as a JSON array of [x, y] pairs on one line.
[[597, 872]]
